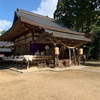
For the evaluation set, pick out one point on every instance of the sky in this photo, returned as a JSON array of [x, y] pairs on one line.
[[7, 8]]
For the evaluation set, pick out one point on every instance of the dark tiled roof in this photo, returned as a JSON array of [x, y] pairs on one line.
[[68, 36], [49, 24], [43, 20]]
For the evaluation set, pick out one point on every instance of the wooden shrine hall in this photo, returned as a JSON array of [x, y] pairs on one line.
[[38, 35]]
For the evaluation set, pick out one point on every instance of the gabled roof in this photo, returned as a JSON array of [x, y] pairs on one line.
[[49, 24], [42, 20]]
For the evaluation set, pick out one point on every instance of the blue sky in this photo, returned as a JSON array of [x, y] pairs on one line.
[[7, 8]]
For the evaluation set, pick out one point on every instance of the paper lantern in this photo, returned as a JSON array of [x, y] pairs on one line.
[[56, 50], [81, 51]]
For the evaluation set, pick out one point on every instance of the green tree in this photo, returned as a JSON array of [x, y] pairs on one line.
[[78, 14], [82, 16], [92, 49], [96, 40], [2, 32]]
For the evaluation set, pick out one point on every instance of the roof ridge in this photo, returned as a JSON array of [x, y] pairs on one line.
[[37, 15]]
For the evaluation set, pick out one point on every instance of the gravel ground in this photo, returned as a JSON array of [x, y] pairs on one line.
[[72, 84]]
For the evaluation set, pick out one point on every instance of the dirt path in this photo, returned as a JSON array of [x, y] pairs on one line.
[[65, 85]]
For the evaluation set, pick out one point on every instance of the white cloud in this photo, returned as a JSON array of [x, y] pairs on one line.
[[46, 8], [5, 25]]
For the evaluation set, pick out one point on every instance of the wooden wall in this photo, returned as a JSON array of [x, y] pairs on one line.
[[22, 43]]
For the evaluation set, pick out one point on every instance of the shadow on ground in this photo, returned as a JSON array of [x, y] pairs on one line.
[[92, 63]]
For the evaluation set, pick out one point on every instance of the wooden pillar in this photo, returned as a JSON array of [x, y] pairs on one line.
[[74, 56], [25, 45], [25, 37], [69, 56], [18, 47], [54, 54], [78, 57], [32, 36], [14, 52]]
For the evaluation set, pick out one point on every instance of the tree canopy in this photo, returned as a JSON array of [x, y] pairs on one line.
[[95, 51], [78, 14], [2, 32], [82, 16]]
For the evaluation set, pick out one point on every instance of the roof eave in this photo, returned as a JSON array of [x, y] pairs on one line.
[[7, 34]]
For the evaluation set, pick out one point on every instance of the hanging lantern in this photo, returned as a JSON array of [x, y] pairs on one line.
[[81, 51], [56, 50]]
